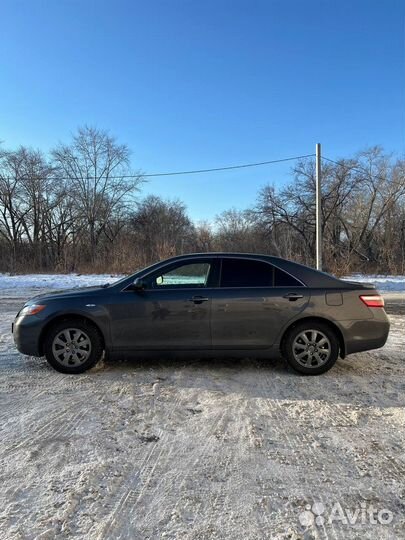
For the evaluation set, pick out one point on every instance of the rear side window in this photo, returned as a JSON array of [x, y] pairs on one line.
[[251, 273], [282, 279], [246, 273]]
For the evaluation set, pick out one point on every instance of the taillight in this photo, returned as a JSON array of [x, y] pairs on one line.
[[372, 300]]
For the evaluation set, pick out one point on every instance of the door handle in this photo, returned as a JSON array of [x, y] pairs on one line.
[[291, 296], [198, 299]]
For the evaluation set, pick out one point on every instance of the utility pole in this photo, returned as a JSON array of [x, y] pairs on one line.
[[318, 209]]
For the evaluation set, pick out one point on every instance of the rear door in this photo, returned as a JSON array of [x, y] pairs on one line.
[[253, 303]]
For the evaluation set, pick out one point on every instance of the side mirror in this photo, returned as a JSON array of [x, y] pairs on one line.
[[138, 284]]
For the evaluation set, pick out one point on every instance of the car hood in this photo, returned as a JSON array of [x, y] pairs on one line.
[[68, 293]]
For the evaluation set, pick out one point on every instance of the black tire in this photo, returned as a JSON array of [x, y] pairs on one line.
[[291, 347], [94, 352]]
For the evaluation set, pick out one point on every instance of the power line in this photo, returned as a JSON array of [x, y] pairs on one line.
[[230, 167], [355, 168], [360, 169], [174, 173]]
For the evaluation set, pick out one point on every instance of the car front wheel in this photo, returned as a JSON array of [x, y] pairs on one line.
[[73, 346], [311, 348]]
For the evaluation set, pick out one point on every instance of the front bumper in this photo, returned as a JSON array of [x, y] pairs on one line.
[[26, 333]]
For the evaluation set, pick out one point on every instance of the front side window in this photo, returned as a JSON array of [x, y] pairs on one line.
[[186, 275], [246, 273]]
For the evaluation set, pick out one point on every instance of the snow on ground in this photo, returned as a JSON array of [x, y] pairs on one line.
[[382, 283], [54, 281], [67, 281], [200, 449]]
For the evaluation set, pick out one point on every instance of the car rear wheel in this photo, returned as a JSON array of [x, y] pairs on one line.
[[73, 346], [311, 348]]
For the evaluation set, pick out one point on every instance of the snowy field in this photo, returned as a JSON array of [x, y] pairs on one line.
[[200, 449], [64, 281], [54, 281], [383, 283]]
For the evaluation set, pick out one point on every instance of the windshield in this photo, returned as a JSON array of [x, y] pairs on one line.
[[134, 275]]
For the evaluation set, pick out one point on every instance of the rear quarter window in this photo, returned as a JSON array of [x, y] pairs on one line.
[[282, 279]]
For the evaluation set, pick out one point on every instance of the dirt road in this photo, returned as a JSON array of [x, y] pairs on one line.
[[223, 449]]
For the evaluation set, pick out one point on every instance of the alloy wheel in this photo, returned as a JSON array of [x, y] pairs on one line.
[[71, 347], [311, 348]]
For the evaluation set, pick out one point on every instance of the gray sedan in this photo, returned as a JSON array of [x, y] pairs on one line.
[[207, 304]]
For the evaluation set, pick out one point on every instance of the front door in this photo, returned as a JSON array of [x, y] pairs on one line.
[[171, 312]]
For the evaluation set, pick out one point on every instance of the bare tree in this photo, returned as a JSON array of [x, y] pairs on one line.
[[359, 199], [204, 237], [238, 230], [162, 228], [100, 179], [78, 210], [24, 177]]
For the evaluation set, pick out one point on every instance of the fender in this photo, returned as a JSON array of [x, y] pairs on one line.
[[97, 314]]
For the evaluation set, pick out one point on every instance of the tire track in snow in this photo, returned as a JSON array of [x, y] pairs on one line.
[[137, 490], [295, 439], [59, 425], [124, 494]]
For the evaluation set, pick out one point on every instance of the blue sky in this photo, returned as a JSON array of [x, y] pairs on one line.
[[198, 84]]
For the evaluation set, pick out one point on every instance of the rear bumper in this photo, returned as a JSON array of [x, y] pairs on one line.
[[26, 334], [365, 335]]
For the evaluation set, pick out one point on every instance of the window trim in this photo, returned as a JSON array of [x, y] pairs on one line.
[[216, 261]]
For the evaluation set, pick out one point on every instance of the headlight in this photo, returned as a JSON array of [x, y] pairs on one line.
[[32, 309]]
